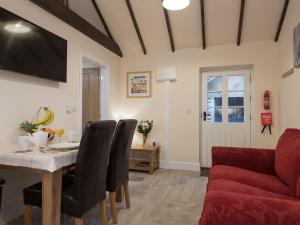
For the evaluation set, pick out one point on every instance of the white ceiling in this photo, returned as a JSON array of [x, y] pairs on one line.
[[222, 17]]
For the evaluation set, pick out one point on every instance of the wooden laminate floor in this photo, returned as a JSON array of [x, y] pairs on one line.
[[169, 197]]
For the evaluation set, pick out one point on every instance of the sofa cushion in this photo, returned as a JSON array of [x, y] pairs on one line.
[[229, 186], [251, 178], [240, 209], [287, 159]]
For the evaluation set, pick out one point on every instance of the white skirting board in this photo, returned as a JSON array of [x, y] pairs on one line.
[[180, 166]]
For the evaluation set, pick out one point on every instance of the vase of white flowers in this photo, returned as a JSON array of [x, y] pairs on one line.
[[144, 127]]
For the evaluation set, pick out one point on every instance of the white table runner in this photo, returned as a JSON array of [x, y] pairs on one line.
[[10, 155]]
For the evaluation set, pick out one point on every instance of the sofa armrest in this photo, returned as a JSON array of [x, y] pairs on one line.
[[258, 160], [221, 208]]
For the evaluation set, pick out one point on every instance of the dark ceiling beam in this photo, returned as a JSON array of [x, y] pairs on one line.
[[169, 29], [285, 6], [241, 20], [65, 3], [203, 24], [137, 29], [102, 19], [75, 21]]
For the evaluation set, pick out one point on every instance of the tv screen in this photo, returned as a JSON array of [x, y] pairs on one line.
[[29, 49]]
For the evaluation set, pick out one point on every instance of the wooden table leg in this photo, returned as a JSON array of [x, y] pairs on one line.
[[158, 158], [152, 162], [52, 185], [119, 195]]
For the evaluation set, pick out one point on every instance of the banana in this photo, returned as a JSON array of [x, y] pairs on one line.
[[49, 116]]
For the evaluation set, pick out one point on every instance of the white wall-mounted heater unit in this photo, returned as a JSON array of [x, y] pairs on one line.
[[166, 73]]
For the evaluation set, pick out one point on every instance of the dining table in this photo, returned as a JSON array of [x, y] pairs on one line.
[[50, 164]]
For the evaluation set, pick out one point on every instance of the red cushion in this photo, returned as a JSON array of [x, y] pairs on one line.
[[251, 178], [229, 186], [287, 159], [240, 209]]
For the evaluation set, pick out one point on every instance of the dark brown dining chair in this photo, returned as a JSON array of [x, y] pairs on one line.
[[2, 182], [87, 187], [118, 167]]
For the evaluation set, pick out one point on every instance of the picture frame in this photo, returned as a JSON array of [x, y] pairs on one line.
[[297, 46], [139, 84]]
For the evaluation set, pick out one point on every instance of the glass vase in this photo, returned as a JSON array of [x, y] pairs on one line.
[[144, 140]]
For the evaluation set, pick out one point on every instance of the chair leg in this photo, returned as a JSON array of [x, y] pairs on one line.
[[103, 212], [112, 198], [126, 192], [28, 215], [78, 221]]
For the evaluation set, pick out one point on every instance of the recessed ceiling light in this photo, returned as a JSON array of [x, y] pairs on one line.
[[175, 4], [17, 28]]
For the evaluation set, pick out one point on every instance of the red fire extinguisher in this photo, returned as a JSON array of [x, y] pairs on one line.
[[267, 100], [266, 117]]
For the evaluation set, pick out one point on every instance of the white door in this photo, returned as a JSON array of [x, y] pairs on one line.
[[225, 111]]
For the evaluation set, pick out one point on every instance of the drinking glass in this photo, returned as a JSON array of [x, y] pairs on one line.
[[59, 132]]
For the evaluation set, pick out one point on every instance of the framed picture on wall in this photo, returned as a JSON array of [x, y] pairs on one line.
[[139, 84], [297, 46]]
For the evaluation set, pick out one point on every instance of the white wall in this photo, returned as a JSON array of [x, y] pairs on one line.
[[21, 96], [289, 87], [184, 130]]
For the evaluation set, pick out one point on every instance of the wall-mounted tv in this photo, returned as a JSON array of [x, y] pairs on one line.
[[29, 49]]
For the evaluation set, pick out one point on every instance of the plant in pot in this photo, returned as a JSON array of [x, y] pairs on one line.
[[144, 127]]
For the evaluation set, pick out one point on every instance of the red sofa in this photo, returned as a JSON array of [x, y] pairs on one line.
[[255, 186]]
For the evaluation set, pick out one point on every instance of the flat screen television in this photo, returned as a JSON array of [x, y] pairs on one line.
[[29, 49]]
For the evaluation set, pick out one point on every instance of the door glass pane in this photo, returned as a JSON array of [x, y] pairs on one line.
[[236, 93], [214, 83], [214, 115], [236, 98], [214, 99], [236, 115], [236, 83]]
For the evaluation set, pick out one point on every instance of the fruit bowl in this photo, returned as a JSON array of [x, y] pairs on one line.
[[51, 133], [32, 126]]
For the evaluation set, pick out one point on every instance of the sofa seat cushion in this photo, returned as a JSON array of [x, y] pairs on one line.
[[251, 178], [229, 186], [287, 159], [240, 209]]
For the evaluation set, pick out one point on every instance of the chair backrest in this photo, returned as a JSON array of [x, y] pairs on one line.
[[2, 182], [91, 163], [118, 167], [287, 159]]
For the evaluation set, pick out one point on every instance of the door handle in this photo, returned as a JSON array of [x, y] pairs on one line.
[[205, 114]]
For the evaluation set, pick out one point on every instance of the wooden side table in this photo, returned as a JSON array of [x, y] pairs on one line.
[[144, 158]]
